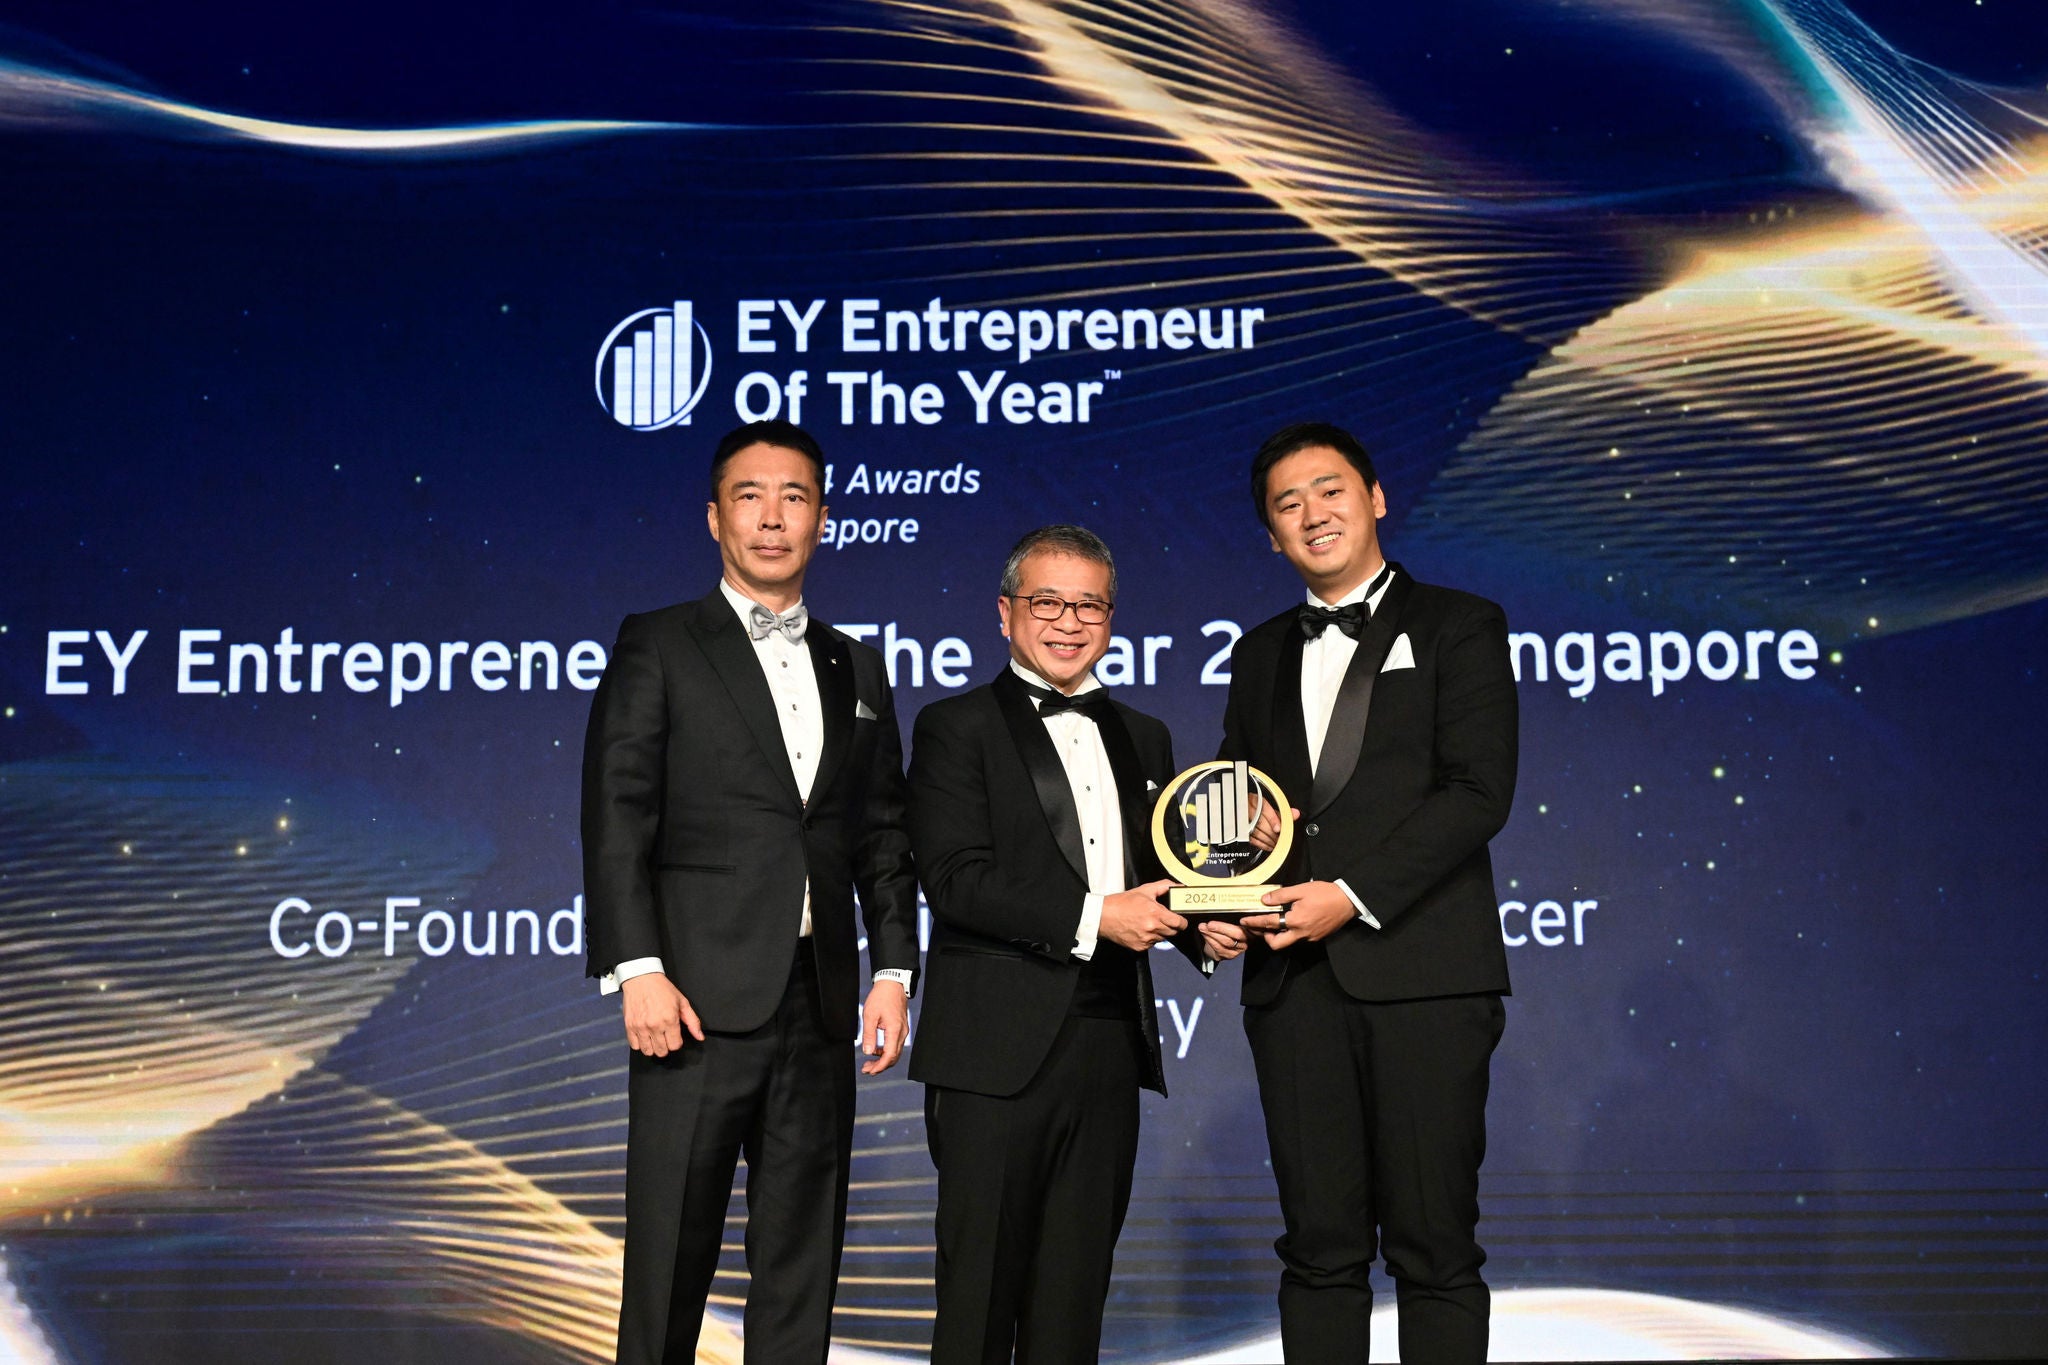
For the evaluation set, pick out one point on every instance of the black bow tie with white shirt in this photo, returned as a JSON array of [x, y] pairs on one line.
[[1091, 701], [1351, 618], [1325, 656], [1070, 719]]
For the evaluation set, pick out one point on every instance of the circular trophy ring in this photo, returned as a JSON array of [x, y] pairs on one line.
[[1261, 787]]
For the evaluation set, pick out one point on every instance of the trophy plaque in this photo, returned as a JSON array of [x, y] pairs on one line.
[[1202, 829]]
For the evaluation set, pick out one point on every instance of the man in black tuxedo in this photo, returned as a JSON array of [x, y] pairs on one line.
[[1029, 803], [1386, 708], [742, 777]]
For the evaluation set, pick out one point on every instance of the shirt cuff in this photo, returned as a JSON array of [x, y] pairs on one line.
[[1090, 927], [899, 975], [1357, 904], [609, 983]]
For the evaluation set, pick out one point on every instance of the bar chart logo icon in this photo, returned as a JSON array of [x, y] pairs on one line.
[[1202, 829], [653, 367], [1219, 807]]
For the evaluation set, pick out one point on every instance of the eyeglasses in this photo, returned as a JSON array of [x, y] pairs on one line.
[[1089, 611]]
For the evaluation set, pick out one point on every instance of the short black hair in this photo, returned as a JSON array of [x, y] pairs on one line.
[[1060, 539], [784, 435], [1299, 436]]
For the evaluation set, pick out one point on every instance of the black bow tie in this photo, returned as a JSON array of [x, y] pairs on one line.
[[1350, 618], [1050, 703]]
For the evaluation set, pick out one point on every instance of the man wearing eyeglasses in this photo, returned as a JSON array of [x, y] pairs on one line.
[[1028, 805]]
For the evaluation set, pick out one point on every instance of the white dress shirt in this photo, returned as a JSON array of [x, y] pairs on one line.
[[1323, 663], [1079, 743], [793, 683]]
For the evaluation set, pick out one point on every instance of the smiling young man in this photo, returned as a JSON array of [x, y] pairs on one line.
[[1029, 798], [1386, 709], [742, 777]]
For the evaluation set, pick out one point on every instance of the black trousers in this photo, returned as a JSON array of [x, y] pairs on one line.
[[1376, 1117], [782, 1096], [1032, 1193]]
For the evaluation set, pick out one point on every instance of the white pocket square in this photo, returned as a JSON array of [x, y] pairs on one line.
[[862, 711], [1402, 655], [1150, 785]]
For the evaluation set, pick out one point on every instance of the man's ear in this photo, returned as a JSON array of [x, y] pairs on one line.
[[1273, 541], [711, 518], [1379, 501]]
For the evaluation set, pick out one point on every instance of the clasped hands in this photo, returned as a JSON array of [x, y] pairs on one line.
[[1137, 920], [657, 1015]]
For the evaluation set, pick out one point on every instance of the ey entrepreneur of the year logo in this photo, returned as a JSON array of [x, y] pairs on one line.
[[653, 367]]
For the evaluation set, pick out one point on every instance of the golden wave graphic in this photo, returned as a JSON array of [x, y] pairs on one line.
[[383, 1207], [161, 1065], [341, 1177], [144, 1001], [1232, 86], [1820, 412], [164, 1074], [1839, 406]]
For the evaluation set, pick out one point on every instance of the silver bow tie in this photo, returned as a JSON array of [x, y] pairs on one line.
[[760, 621]]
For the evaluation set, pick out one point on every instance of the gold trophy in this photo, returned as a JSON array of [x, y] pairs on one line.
[[1202, 830]]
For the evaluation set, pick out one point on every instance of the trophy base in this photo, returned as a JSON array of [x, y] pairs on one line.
[[1219, 900]]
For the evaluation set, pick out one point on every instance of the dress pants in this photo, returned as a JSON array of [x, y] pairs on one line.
[[1376, 1118], [782, 1096], [1032, 1193]]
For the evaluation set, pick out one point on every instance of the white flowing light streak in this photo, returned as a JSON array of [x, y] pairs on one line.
[[32, 96], [1910, 153], [1573, 1324], [21, 1341], [1606, 1324]]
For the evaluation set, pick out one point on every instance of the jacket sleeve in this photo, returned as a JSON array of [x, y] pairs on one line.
[[624, 755], [952, 830], [1474, 757], [883, 873]]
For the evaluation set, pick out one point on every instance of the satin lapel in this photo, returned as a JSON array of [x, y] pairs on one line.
[[1042, 761], [1290, 733], [1130, 795], [732, 657], [1148, 1025], [834, 667], [1346, 735]]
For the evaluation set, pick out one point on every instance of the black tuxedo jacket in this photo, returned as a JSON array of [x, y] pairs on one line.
[[696, 845], [1416, 774], [998, 842]]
